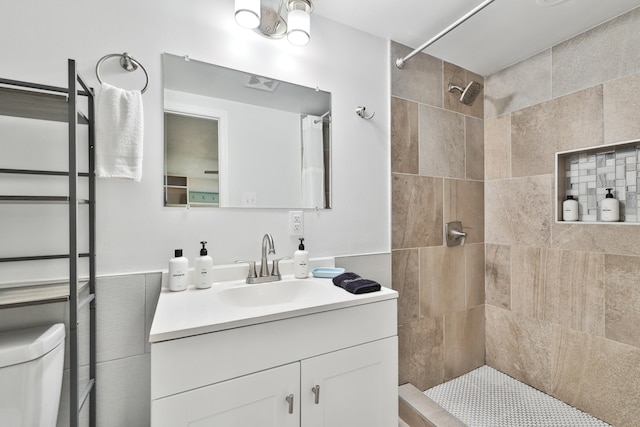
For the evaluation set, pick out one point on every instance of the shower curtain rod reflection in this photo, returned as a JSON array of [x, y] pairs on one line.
[[400, 61], [322, 117]]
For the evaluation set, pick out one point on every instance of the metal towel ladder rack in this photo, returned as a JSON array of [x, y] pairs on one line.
[[43, 102]]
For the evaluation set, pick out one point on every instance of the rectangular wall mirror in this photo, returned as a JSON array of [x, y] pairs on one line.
[[239, 140]]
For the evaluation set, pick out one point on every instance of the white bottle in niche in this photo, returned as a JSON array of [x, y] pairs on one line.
[[203, 269], [301, 262], [609, 208], [178, 272], [570, 209]]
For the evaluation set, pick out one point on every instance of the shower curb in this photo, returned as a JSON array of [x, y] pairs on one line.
[[418, 410]]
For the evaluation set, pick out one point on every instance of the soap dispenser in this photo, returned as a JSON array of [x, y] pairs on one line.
[[178, 272], [301, 262], [609, 208], [570, 209], [203, 269]]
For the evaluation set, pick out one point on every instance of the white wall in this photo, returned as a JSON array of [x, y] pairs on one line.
[[135, 232]]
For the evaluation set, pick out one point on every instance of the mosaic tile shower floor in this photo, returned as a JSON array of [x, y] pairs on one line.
[[486, 397]]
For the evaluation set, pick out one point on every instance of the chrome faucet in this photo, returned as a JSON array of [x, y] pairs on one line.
[[267, 240], [265, 275]]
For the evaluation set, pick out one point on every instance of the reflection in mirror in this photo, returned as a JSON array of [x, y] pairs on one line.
[[234, 139], [191, 145]]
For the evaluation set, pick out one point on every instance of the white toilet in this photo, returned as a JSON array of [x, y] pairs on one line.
[[31, 365]]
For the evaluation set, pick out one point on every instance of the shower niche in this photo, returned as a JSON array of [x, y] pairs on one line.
[[587, 173]]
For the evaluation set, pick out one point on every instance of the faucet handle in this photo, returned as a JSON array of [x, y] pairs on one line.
[[252, 268], [276, 268], [454, 234]]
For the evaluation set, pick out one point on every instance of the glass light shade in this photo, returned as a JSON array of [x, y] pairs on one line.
[[248, 13], [299, 27]]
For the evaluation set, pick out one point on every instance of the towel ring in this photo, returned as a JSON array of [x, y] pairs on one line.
[[127, 62]]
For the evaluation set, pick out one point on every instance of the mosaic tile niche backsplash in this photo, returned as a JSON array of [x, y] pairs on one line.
[[589, 174]]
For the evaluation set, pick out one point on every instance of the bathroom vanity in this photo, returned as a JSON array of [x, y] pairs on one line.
[[285, 354]]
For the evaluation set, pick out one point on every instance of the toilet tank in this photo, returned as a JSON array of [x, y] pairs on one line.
[[31, 366]]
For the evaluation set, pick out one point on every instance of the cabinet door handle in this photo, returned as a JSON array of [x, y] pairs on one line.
[[290, 401], [316, 391]]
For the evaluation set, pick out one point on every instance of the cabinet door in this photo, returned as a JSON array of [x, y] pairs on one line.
[[358, 386], [253, 400]]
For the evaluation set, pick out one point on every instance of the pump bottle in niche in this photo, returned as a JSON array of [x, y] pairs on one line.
[[609, 208], [570, 209], [203, 269], [178, 272]]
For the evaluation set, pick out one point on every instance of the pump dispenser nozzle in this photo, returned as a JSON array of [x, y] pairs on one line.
[[203, 251], [301, 245]]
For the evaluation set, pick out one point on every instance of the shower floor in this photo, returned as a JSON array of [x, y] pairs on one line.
[[486, 397]]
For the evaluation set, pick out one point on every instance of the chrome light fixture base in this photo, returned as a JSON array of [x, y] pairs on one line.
[[272, 24], [273, 17]]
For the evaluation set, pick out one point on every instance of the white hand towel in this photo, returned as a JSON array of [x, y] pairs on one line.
[[119, 133]]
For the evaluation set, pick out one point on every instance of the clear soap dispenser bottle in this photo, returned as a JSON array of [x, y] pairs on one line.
[[609, 208], [203, 269]]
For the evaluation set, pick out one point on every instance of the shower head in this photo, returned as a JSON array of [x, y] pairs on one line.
[[469, 93]]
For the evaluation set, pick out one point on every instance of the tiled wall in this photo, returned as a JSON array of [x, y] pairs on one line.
[[563, 300], [125, 307], [437, 165]]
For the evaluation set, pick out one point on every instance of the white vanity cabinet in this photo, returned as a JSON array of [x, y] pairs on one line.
[[336, 368], [354, 387], [259, 399]]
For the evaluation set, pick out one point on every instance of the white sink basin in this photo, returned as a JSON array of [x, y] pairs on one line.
[[234, 304], [272, 293]]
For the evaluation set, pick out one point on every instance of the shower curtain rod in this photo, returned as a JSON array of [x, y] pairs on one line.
[[322, 117], [400, 61]]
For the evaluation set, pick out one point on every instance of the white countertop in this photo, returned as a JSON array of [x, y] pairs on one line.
[[199, 311]]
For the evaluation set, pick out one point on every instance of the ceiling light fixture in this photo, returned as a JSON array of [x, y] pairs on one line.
[[248, 13], [267, 18], [299, 30]]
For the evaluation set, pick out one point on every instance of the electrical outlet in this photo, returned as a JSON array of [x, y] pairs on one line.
[[296, 223], [249, 199]]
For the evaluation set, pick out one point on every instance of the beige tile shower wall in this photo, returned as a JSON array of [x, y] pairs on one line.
[[437, 163], [563, 300]]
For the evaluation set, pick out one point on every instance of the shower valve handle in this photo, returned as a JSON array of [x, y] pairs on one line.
[[454, 234]]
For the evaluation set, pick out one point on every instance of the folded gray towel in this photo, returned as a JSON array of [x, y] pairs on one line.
[[355, 284]]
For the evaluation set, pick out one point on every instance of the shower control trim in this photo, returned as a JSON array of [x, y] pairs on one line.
[[454, 234]]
